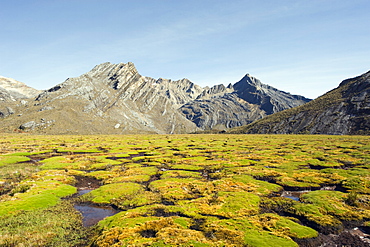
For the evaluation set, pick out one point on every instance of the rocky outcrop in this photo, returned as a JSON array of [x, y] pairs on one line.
[[28, 126], [223, 107], [344, 110], [6, 111]]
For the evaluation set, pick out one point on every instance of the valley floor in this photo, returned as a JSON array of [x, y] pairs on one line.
[[184, 190]]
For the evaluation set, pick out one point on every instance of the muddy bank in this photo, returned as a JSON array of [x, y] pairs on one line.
[[355, 237], [86, 184]]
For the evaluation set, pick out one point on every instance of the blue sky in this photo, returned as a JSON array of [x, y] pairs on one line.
[[302, 47]]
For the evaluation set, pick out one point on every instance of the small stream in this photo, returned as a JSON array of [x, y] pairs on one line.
[[91, 213], [296, 195]]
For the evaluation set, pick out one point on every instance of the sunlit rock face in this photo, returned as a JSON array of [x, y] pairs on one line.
[[120, 96]]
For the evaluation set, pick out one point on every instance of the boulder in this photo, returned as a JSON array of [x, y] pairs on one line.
[[28, 126]]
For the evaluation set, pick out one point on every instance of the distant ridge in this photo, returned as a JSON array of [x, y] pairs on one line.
[[116, 99], [12, 90], [343, 110]]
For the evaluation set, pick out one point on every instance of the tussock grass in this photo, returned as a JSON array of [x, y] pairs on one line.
[[188, 190], [58, 225]]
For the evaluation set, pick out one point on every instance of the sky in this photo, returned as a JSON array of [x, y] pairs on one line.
[[298, 46]]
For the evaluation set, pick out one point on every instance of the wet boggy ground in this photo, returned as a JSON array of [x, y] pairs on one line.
[[91, 213], [240, 190]]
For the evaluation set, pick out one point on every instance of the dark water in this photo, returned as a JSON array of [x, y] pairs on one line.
[[82, 192], [92, 214], [295, 198], [295, 195]]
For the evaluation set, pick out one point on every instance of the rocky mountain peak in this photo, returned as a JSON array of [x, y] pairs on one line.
[[115, 75], [251, 84], [11, 89], [271, 99], [101, 79]]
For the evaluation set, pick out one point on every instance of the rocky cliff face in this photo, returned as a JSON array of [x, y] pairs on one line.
[[115, 98], [344, 110], [125, 99], [239, 104]]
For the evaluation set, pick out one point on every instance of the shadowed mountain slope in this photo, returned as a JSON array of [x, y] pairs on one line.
[[343, 110], [223, 107]]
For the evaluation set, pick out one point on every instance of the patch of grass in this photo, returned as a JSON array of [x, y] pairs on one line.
[[153, 232], [40, 195], [123, 195], [44, 189], [173, 189], [336, 204], [132, 178], [238, 204], [12, 159], [59, 225], [261, 187], [265, 239], [180, 174], [79, 162], [109, 192]]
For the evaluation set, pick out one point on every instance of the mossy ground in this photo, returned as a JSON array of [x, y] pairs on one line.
[[188, 190], [58, 225]]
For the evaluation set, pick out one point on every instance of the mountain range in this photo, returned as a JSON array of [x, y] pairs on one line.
[[116, 99]]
